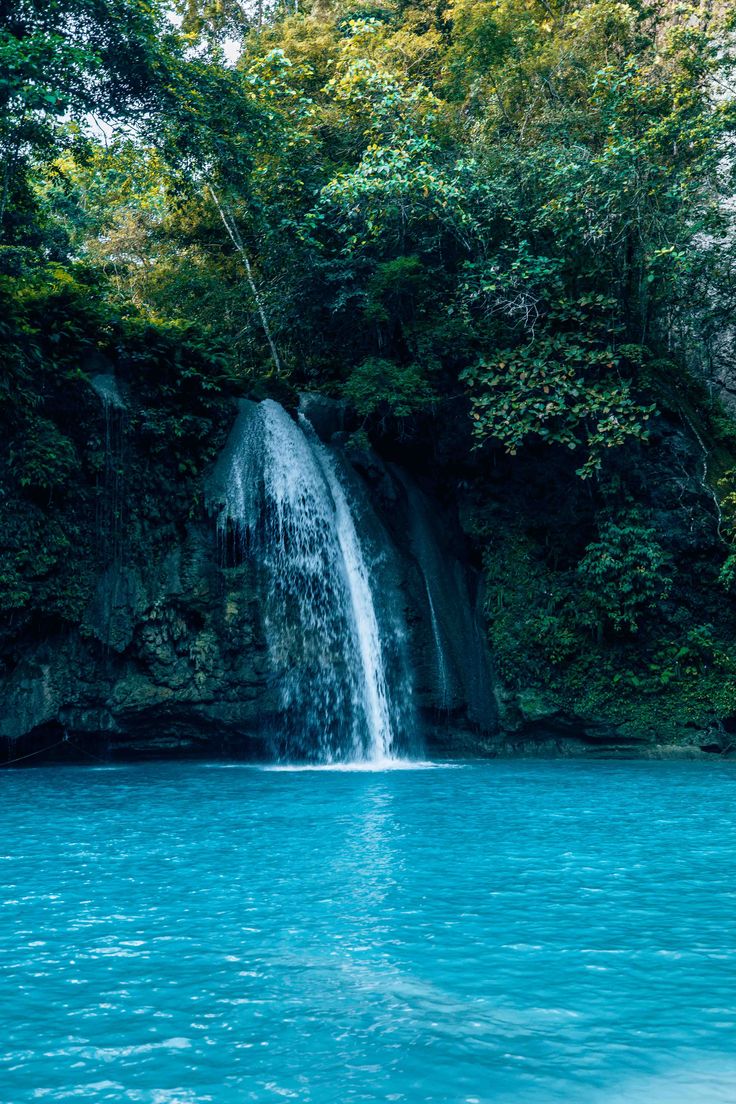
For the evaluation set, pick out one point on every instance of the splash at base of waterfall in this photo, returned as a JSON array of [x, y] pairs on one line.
[[343, 692], [370, 765]]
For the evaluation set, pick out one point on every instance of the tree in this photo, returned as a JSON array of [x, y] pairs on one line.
[[63, 60]]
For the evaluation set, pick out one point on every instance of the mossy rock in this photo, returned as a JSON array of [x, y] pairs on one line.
[[271, 387]]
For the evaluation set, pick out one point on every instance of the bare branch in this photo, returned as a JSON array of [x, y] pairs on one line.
[[234, 234]]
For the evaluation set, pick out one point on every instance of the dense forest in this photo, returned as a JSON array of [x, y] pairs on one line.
[[500, 231]]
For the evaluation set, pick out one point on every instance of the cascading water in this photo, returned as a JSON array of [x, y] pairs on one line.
[[462, 675], [283, 502], [443, 681], [113, 592], [110, 520], [375, 699]]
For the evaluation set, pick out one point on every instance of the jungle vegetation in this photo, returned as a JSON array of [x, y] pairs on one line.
[[502, 229]]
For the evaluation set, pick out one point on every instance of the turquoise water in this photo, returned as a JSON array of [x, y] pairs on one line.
[[502, 932]]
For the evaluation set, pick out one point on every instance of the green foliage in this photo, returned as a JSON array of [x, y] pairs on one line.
[[378, 386], [215, 20], [505, 191], [562, 389], [46, 458], [394, 288], [727, 574], [624, 574], [665, 681], [63, 60], [62, 473]]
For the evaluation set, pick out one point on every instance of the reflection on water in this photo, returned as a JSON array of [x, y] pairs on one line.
[[371, 766], [508, 932]]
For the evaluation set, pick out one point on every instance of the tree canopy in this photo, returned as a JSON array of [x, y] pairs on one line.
[[524, 200], [505, 225]]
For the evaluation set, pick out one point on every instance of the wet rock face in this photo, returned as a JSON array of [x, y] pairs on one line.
[[419, 552], [171, 655], [328, 416], [421, 543], [174, 660]]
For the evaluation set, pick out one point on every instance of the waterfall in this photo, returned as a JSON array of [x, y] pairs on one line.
[[108, 616], [443, 680], [363, 610], [284, 504], [462, 676], [110, 520]]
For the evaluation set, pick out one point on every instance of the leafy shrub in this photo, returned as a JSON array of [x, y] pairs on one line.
[[624, 574], [45, 459], [380, 386], [561, 389]]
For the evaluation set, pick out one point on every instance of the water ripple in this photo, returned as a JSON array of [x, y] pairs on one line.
[[534, 933]]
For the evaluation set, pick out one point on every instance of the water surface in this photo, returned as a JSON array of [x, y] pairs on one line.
[[505, 932]]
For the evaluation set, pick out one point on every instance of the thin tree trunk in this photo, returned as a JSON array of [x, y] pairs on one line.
[[234, 235]]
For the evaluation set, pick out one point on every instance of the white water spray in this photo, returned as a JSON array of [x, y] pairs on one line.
[[284, 502], [375, 696]]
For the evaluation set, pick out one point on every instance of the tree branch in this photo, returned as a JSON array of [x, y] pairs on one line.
[[234, 235]]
